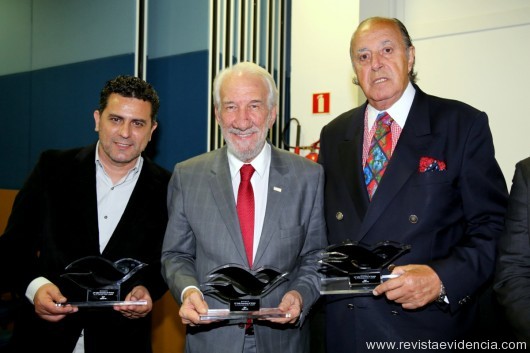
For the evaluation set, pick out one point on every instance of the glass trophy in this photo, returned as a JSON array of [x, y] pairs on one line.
[[355, 268], [101, 279], [242, 290]]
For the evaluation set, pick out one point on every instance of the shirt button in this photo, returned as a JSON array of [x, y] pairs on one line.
[[339, 216], [413, 219]]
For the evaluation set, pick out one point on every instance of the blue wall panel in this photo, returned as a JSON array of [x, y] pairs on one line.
[[182, 84], [50, 108], [53, 108], [14, 131]]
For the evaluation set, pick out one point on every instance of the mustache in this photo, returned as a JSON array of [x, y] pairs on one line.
[[237, 131]]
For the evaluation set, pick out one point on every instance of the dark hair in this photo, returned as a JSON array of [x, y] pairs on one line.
[[130, 87], [408, 43], [406, 40]]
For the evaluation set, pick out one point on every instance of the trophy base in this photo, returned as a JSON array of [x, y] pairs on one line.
[[226, 314], [344, 285], [341, 285], [103, 303]]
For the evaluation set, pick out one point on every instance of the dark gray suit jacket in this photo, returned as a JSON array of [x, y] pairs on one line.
[[54, 222], [512, 278], [451, 218], [203, 233]]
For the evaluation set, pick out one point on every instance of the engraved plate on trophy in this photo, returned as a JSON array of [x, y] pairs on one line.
[[242, 291], [101, 280], [355, 268]]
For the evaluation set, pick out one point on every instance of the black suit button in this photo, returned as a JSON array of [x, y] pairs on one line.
[[413, 219], [339, 216], [350, 306], [394, 312]]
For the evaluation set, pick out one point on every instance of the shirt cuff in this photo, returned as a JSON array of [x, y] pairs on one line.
[[34, 286], [184, 291]]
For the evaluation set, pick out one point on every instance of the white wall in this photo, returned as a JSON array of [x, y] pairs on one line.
[[472, 50], [480, 55], [321, 32]]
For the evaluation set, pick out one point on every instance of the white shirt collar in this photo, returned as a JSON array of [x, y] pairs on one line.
[[259, 163], [398, 111]]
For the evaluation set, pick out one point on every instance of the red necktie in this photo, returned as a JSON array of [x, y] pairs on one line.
[[245, 209], [379, 153]]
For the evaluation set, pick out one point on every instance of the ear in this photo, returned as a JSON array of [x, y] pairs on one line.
[[153, 128], [217, 115], [96, 119], [272, 116], [411, 57]]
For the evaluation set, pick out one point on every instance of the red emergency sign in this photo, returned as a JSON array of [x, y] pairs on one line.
[[321, 103]]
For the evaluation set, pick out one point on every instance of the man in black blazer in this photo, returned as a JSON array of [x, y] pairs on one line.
[[442, 193], [103, 200], [512, 277]]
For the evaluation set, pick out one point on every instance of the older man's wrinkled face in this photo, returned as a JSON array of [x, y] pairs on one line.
[[381, 62], [244, 114]]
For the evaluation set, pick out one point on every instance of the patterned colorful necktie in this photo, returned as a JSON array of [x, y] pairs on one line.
[[245, 209], [379, 153]]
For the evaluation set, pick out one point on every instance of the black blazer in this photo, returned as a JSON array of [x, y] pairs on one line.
[[54, 222], [451, 218], [512, 280]]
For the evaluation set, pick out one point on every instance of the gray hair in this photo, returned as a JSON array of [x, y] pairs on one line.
[[250, 68]]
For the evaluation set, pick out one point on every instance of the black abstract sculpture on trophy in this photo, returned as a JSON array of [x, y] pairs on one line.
[[355, 268], [242, 290], [102, 279]]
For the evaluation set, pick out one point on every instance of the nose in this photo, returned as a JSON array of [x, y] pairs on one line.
[[125, 130], [376, 62], [243, 119]]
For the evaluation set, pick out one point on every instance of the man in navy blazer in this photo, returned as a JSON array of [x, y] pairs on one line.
[[442, 193], [103, 200]]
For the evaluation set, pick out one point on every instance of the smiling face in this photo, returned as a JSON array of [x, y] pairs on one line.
[[244, 114], [125, 127], [381, 62]]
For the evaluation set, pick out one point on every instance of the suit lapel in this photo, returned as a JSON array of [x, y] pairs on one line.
[[350, 156], [277, 195], [85, 185], [223, 194], [414, 141], [135, 210]]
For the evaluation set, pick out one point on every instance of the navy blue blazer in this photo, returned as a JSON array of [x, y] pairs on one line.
[[451, 218], [54, 222]]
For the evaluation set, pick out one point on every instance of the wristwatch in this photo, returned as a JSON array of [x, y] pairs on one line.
[[442, 295]]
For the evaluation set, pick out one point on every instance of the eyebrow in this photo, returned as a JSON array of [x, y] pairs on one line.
[[251, 102], [385, 42], [133, 119]]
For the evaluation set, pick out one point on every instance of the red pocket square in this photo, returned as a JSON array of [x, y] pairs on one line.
[[429, 164]]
